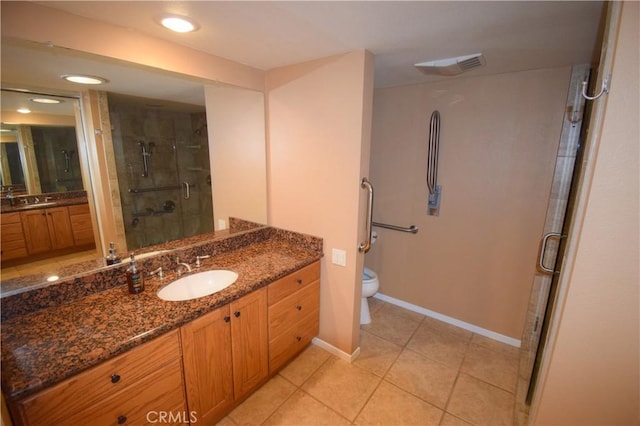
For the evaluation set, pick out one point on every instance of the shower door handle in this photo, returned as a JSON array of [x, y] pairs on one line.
[[366, 245], [543, 249], [187, 193]]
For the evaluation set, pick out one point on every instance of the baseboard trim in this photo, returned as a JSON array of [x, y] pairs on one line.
[[335, 351], [450, 320]]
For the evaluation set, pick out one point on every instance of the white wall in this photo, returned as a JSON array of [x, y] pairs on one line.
[[237, 153], [319, 113]]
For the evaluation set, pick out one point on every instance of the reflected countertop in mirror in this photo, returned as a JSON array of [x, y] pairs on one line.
[[41, 279]]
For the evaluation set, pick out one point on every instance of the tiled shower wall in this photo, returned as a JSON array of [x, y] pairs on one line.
[[179, 152], [565, 161], [57, 175]]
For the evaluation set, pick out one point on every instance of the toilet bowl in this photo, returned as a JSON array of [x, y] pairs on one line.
[[370, 286]]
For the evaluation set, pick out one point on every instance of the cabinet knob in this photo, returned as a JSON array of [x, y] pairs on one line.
[[122, 420], [299, 307], [299, 281], [236, 314], [115, 378], [227, 318], [298, 338]]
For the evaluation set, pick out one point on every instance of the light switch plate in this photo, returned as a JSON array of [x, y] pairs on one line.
[[339, 257]]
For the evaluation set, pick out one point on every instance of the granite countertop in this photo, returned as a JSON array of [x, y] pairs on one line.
[[44, 347], [44, 205]]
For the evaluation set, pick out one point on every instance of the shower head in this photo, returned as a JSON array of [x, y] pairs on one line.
[[452, 66]]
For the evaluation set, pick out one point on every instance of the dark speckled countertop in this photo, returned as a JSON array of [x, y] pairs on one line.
[[46, 346]]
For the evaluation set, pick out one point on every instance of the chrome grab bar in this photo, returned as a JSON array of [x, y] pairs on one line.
[[366, 245], [187, 193], [412, 229], [543, 249]]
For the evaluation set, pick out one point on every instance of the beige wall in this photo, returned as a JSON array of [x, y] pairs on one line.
[[592, 373], [236, 127], [29, 21], [499, 138], [317, 114]]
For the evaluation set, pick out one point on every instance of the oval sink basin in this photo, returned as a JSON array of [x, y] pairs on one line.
[[197, 285]]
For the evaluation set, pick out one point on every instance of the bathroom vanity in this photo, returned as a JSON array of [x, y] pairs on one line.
[[114, 358], [38, 229]]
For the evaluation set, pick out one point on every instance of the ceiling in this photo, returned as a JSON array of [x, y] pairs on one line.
[[513, 36]]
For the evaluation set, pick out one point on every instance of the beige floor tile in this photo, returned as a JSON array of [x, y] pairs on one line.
[[393, 323], [439, 345], [494, 345], [376, 354], [342, 386], [449, 420], [430, 380], [264, 402], [495, 367], [390, 405], [375, 304], [301, 409], [480, 403], [305, 364], [9, 273], [226, 422], [446, 327]]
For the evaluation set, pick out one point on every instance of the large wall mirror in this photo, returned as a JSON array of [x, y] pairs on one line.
[[187, 154]]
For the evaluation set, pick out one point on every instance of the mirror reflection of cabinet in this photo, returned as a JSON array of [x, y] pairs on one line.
[[47, 229]]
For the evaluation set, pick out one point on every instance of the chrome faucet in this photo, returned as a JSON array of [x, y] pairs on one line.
[[199, 258], [186, 265], [157, 272]]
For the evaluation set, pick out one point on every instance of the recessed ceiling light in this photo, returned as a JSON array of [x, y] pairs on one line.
[[45, 100], [83, 79], [24, 110], [179, 24]]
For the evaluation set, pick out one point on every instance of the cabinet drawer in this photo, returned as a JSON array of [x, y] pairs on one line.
[[79, 209], [293, 282], [12, 232], [292, 341], [53, 405], [10, 218], [13, 249], [141, 404], [293, 308]]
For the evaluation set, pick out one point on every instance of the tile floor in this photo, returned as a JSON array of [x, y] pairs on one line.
[[412, 370], [47, 265]]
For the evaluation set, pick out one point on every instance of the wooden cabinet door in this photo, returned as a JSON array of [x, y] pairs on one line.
[[60, 228], [249, 341], [206, 351], [36, 231], [81, 225], [12, 237]]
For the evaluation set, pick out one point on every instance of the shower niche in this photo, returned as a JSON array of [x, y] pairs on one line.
[[162, 163]]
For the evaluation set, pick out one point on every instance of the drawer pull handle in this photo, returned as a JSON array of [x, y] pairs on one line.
[[236, 314], [115, 378], [298, 338], [122, 420], [299, 281], [299, 307], [227, 318]]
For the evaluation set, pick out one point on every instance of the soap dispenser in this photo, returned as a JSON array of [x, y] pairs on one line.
[[135, 279], [112, 258]]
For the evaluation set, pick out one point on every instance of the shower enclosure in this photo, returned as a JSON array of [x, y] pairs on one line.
[[162, 161]]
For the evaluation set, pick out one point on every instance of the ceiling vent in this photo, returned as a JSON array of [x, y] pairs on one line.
[[452, 66]]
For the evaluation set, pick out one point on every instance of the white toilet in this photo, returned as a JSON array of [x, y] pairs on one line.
[[370, 286]]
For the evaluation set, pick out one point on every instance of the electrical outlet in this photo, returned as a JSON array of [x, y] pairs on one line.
[[222, 224], [339, 257]]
